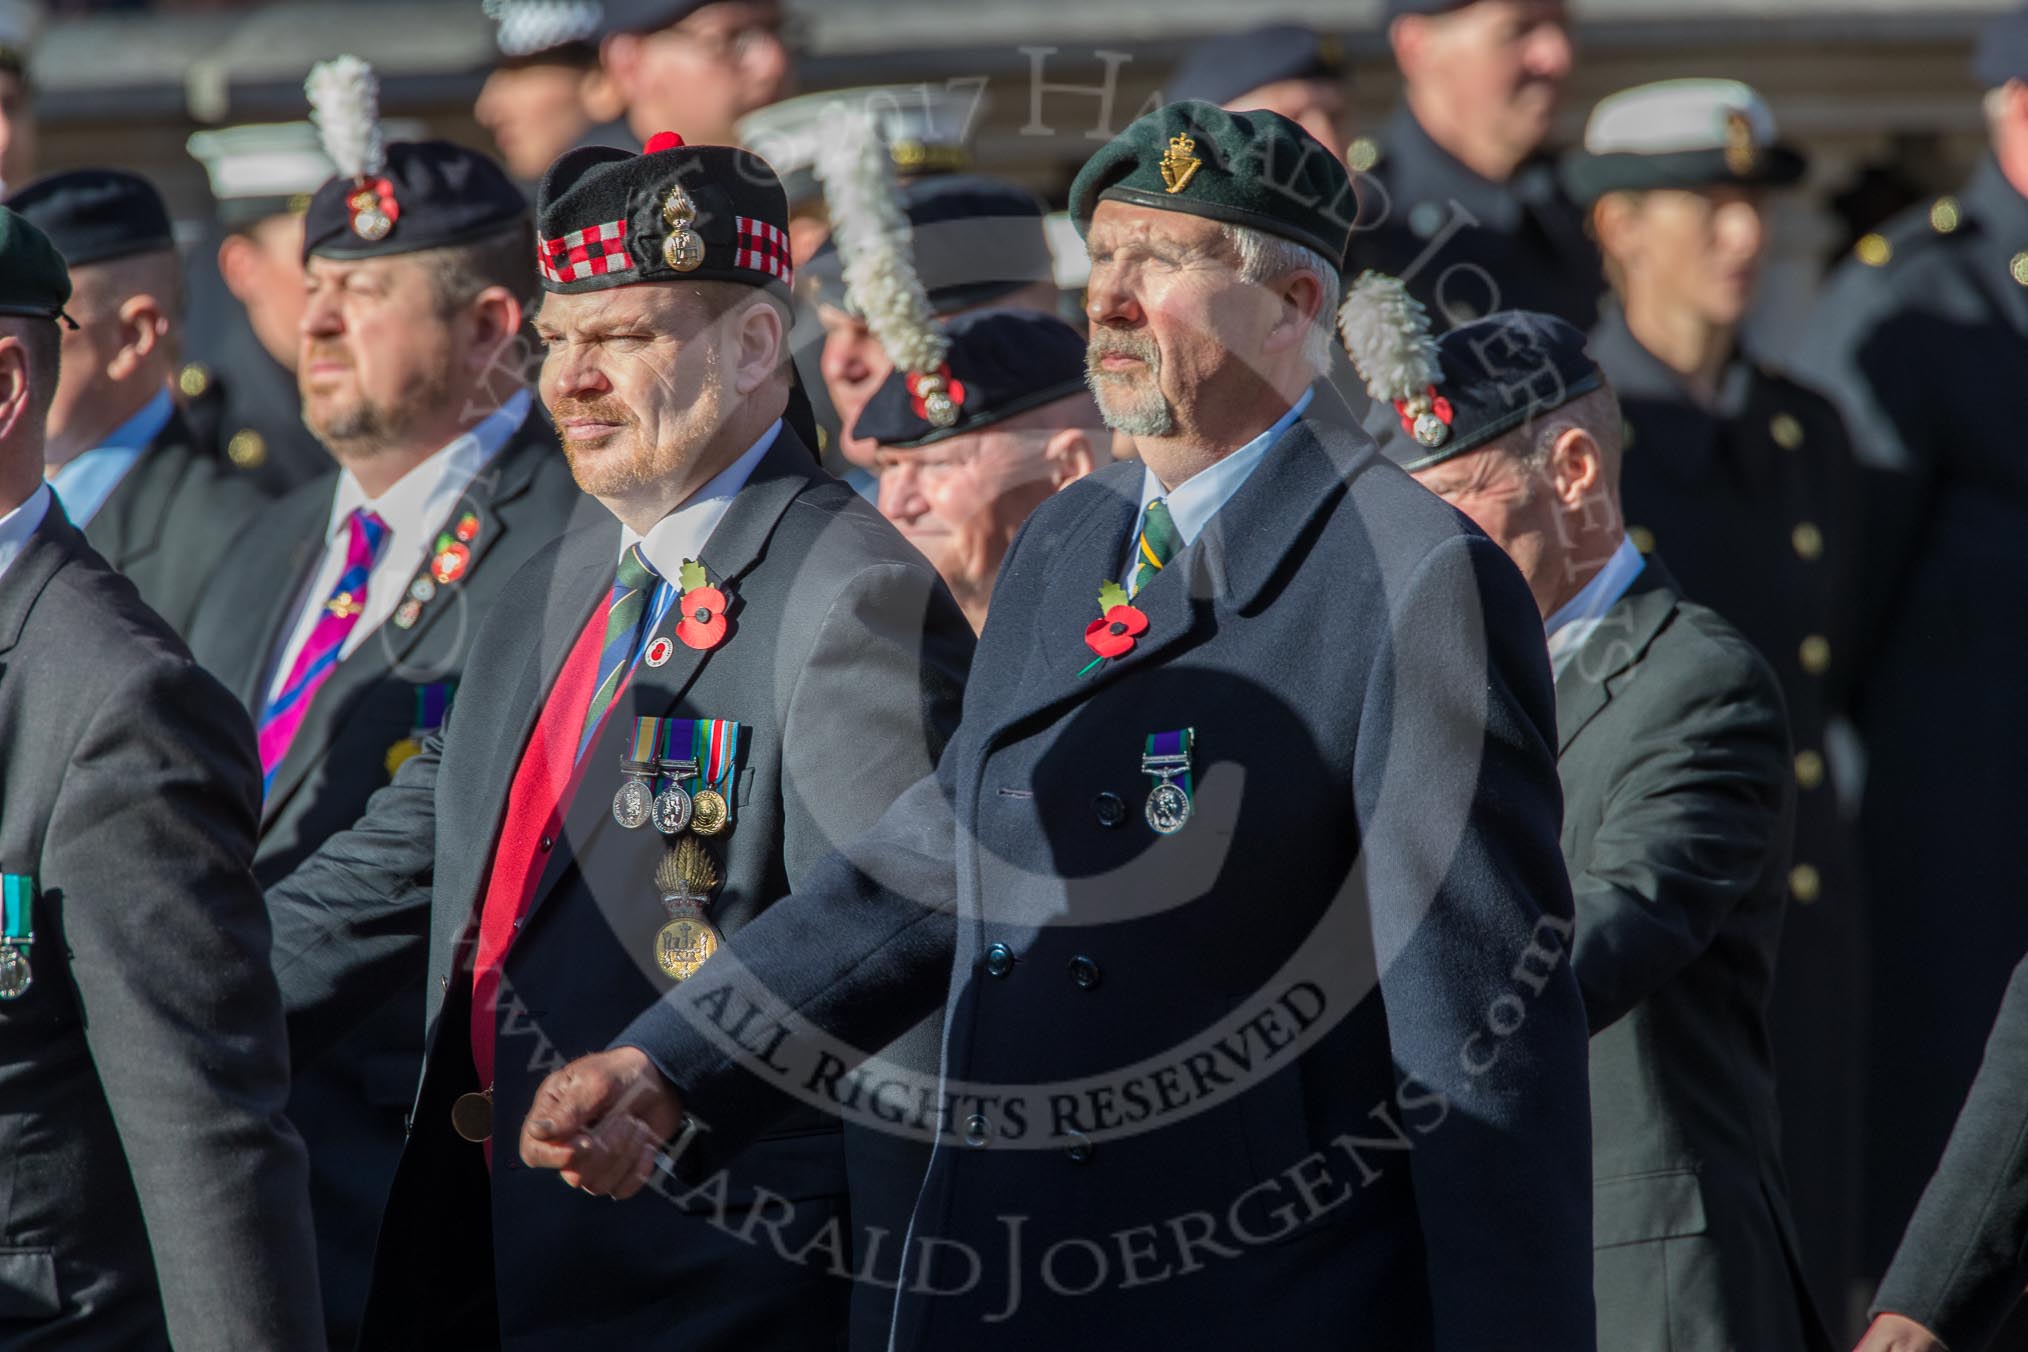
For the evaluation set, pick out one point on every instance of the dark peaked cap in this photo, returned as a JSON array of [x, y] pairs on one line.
[[441, 195], [674, 212], [1221, 68], [97, 215], [1254, 169]]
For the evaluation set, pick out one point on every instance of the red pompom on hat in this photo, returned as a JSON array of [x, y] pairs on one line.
[[662, 140]]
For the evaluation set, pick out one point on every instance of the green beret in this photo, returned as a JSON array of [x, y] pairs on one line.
[[1255, 169], [33, 278]]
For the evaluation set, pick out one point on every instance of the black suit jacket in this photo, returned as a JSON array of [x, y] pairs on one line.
[[843, 665], [1310, 1071], [171, 519], [351, 1102], [1678, 811], [1964, 1259], [151, 1190]]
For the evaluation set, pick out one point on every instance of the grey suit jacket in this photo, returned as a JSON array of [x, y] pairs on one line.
[[1678, 812], [843, 664], [171, 519], [151, 1189]]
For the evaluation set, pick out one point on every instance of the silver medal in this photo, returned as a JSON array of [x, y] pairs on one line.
[[15, 978], [1168, 807], [671, 810], [631, 804]]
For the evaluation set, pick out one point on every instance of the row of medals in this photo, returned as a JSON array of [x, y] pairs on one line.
[[688, 876]]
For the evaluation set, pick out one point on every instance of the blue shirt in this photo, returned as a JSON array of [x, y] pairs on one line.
[[84, 484], [1569, 627], [1197, 499]]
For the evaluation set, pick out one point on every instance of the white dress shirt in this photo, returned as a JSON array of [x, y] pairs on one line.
[[1570, 626], [18, 525], [415, 509], [1197, 499], [682, 535]]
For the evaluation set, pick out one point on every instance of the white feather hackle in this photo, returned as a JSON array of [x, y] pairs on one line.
[[874, 241], [1386, 331], [345, 105]]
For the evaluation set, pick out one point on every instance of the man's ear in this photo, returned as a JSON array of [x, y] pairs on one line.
[[1576, 467], [620, 58], [144, 327], [15, 391], [496, 318], [1408, 37], [1301, 295], [763, 347], [238, 259], [1069, 455]]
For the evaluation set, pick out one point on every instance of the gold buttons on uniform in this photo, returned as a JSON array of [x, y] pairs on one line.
[[1874, 250], [1805, 883], [1626, 434], [2017, 268], [1786, 431], [1808, 540], [1943, 215], [1816, 654], [1362, 155], [193, 380], [1809, 769], [247, 449], [1643, 538]]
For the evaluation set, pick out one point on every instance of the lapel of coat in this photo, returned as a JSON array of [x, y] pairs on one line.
[[128, 526], [735, 547], [1587, 682], [505, 478], [1299, 480], [272, 630]]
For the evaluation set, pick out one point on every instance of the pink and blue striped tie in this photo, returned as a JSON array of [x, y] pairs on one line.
[[326, 644]]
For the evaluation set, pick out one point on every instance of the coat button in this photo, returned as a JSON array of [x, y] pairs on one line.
[[1805, 883], [1787, 430], [999, 960], [1111, 809], [1079, 1149], [975, 1130], [1084, 973], [548, 844], [1809, 769], [1643, 538], [1808, 541], [1815, 654]]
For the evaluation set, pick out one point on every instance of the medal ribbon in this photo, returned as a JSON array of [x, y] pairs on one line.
[[1171, 747], [646, 730], [432, 702], [718, 753], [17, 900], [679, 743]]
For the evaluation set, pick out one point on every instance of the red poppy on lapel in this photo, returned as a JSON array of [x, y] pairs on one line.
[[702, 609], [1113, 634]]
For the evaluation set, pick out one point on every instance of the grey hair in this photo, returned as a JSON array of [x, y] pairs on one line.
[[1264, 257]]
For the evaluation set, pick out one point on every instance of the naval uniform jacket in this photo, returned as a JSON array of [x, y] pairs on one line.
[[1311, 1070], [1921, 338], [1677, 809], [172, 520], [350, 1104], [843, 664], [1756, 502], [1464, 245], [151, 1190]]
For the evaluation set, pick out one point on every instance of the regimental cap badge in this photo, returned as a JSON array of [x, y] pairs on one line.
[[1181, 164], [345, 105], [1741, 153], [682, 247]]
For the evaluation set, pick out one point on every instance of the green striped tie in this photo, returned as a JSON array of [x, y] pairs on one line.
[[633, 583], [1157, 544]]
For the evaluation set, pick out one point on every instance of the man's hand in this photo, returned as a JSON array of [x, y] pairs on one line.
[[601, 1121], [1898, 1333]]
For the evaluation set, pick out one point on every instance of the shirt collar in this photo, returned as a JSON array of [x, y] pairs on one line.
[[19, 525], [1573, 623], [1197, 499], [681, 536], [85, 482], [424, 496]]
